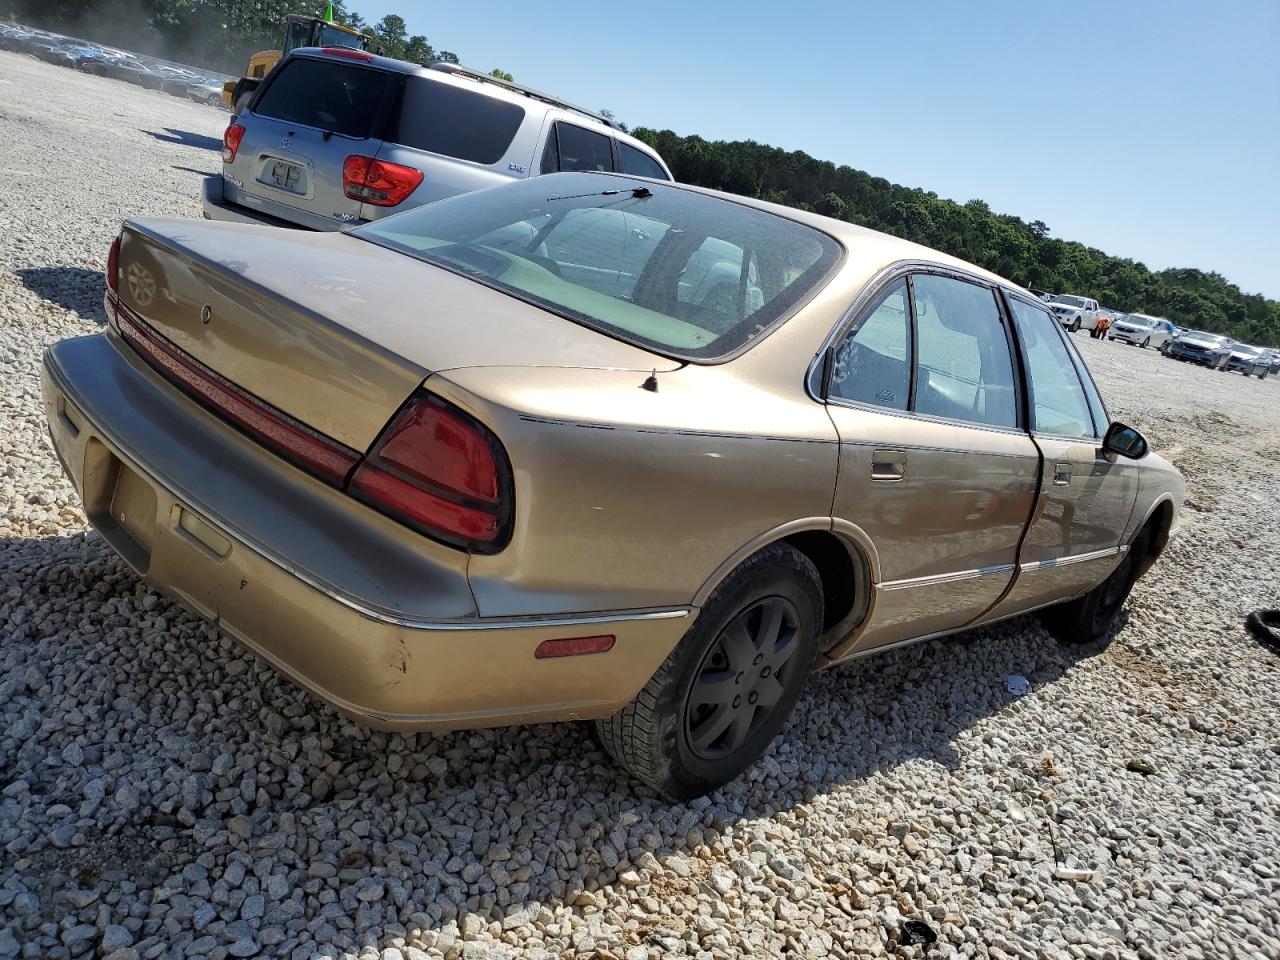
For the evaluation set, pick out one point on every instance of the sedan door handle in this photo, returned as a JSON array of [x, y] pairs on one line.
[[1061, 474], [888, 465]]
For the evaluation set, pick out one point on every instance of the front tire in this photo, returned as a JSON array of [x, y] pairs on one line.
[[723, 694], [1090, 618], [1075, 327], [1145, 343]]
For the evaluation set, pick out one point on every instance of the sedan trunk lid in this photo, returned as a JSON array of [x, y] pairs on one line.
[[334, 331]]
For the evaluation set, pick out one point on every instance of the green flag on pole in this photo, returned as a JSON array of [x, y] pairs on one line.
[[328, 12]]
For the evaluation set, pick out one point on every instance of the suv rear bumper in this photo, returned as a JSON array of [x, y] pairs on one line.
[[210, 518], [217, 206]]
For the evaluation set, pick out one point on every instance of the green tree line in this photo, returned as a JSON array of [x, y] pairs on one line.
[[220, 34], [1004, 244]]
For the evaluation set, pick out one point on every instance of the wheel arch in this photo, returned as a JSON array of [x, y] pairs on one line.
[[1159, 520], [846, 559]]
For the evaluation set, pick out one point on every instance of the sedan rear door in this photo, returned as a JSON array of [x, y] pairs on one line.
[[936, 472]]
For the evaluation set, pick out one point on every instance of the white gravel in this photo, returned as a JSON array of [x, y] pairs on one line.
[[162, 794]]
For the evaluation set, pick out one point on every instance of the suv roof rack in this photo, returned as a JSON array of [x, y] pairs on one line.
[[458, 70]]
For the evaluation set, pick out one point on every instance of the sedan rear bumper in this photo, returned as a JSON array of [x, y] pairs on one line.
[[386, 633]]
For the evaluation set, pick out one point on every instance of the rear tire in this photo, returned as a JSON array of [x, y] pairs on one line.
[[1089, 618], [723, 694]]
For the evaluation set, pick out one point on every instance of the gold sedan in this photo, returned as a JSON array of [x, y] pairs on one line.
[[590, 446]]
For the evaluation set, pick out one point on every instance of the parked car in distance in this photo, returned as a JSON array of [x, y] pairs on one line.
[[312, 151], [205, 90], [1141, 329], [1273, 361], [1251, 361], [1041, 294], [1075, 313], [1207, 349], [594, 446]]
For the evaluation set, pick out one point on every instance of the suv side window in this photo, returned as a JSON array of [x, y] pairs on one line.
[[638, 163], [1059, 404], [443, 119], [571, 147], [964, 368], [872, 361]]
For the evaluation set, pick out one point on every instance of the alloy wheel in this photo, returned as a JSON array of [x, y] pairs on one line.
[[742, 677]]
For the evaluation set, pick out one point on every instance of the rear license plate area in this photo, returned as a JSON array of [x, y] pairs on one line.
[[283, 175], [120, 504]]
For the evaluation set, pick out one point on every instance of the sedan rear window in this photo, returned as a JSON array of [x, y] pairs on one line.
[[682, 273], [329, 96], [459, 123]]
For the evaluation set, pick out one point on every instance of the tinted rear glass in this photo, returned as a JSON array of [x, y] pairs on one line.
[[456, 123], [682, 273], [639, 163], [329, 96], [582, 149]]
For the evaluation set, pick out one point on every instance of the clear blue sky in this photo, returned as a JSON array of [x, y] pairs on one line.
[[1148, 129]]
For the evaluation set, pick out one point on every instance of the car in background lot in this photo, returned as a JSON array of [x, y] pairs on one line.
[[1207, 349], [594, 446], [1251, 361], [1141, 329], [1273, 361], [315, 149], [1075, 313]]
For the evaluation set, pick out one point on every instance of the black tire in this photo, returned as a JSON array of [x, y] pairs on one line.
[[666, 737], [1075, 327], [1089, 619], [1145, 343]]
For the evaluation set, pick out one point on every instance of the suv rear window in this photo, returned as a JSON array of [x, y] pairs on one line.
[[639, 163], [443, 119], [328, 96]]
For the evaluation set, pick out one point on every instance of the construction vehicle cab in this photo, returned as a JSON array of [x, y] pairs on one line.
[[300, 31]]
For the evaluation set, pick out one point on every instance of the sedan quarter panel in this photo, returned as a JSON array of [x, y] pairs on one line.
[[627, 498]]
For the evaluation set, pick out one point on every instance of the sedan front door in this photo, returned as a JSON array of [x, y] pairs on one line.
[[1086, 495]]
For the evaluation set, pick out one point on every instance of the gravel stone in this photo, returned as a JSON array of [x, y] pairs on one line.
[[197, 804]]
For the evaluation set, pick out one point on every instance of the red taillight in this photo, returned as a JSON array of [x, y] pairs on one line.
[[113, 266], [317, 454], [231, 142], [442, 472], [378, 182], [572, 647], [348, 53]]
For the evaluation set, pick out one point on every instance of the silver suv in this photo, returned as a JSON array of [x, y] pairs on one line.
[[335, 137]]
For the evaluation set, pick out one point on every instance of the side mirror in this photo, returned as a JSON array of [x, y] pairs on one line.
[[1125, 441]]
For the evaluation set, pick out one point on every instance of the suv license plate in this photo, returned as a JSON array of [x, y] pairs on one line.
[[284, 176]]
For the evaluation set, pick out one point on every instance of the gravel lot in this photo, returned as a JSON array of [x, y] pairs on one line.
[[164, 794]]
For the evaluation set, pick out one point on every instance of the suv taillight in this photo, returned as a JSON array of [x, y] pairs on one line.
[[231, 142], [113, 266], [442, 472], [378, 182]]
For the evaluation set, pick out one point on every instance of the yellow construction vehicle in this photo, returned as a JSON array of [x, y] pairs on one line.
[[300, 31]]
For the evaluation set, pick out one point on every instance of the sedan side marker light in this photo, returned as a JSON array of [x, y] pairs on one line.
[[572, 647]]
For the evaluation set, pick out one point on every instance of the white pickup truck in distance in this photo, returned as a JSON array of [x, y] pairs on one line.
[[1074, 312]]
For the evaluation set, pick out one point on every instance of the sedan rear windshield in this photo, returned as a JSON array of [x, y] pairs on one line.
[[682, 273], [329, 96]]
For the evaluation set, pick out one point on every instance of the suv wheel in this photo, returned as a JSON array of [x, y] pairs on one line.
[[725, 691], [1075, 326], [1089, 618], [1145, 343]]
